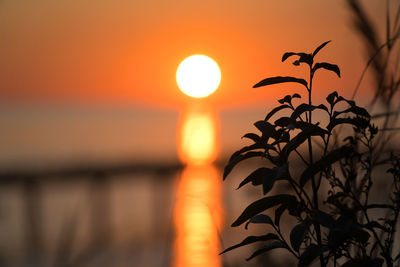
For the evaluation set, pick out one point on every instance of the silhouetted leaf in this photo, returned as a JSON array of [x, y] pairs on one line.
[[298, 233], [270, 246], [266, 128], [303, 58], [275, 110], [286, 99], [361, 236], [359, 111], [346, 229], [310, 127], [295, 95], [280, 79], [278, 213], [287, 55], [262, 205], [319, 48], [260, 218], [324, 219], [283, 136], [355, 110], [358, 122], [350, 102], [283, 121], [252, 239], [331, 97], [252, 136], [324, 163], [255, 146], [268, 183], [305, 108], [239, 158], [327, 66], [309, 255], [256, 177], [274, 174], [364, 262]]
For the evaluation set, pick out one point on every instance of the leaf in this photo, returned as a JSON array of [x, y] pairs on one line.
[[331, 97], [324, 219], [287, 55], [323, 163], [306, 58], [256, 177], [277, 173], [319, 48], [298, 234], [252, 239], [260, 218], [270, 246], [283, 121], [358, 122], [310, 127], [355, 110], [327, 66], [295, 95], [364, 262], [309, 255], [347, 228], [268, 183], [246, 149], [361, 236], [266, 128], [280, 79], [275, 110], [235, 161], [278, 213], [286, 99], [263, 204], [305, 108], [359, 111], [303, 58], [252, 136]]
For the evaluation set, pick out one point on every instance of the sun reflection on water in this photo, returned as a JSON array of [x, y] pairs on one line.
[[198, 138], [198, 209]]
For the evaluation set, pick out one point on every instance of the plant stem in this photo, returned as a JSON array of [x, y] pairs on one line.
[[314, 187]]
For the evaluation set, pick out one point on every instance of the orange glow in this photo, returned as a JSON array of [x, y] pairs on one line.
[[198, 138], [198, 218], [198, 211]]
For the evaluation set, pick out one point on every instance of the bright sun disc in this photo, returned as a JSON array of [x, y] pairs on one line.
[[198, 76]]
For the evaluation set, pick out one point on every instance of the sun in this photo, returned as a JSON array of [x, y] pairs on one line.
[[198, 76]]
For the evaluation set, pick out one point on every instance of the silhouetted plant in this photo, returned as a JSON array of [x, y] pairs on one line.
[[330, 197]]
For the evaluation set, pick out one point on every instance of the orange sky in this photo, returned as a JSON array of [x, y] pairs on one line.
[[123, 52]]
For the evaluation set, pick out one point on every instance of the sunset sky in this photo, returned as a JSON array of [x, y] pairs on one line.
[[123, 54], [124, 51]]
